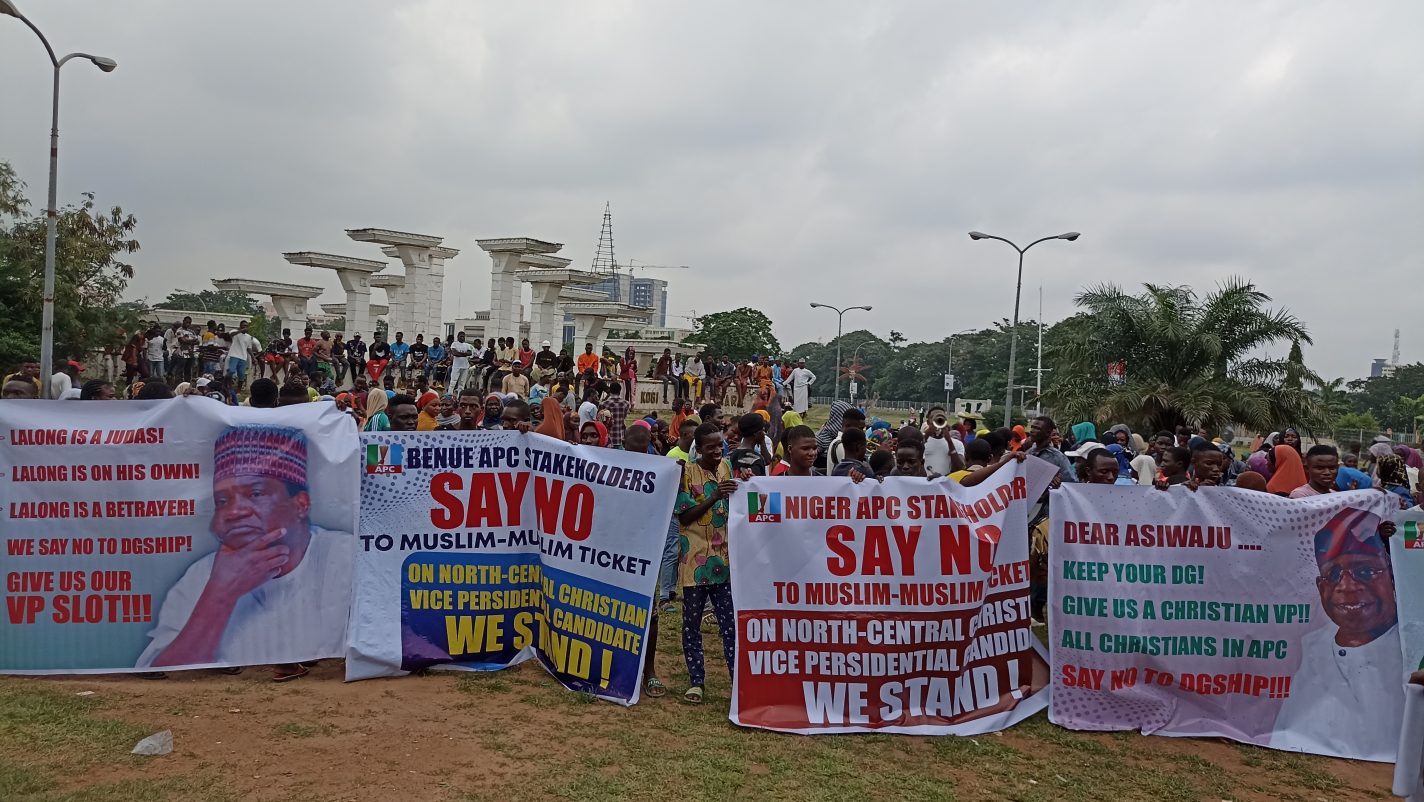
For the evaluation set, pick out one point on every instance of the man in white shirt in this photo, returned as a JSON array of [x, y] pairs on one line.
[[63, 379], [277, 588], [1347, 698], [241, 344], [460, 353], [155, 353], [694, 376], [801, 381]]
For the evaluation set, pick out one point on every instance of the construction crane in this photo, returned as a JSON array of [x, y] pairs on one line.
[[632, 267]]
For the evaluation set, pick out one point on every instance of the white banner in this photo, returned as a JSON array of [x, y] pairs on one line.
[[174, 534], [895, 607], [479, 550], [1228, 613]]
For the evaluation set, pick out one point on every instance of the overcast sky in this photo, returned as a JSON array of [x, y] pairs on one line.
[[787, 151]]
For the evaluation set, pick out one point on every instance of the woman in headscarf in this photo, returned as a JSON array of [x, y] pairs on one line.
[[1144, 467], [1291, 437], [571, 426], [1124, 463], [1084, 432], [1272, 440], [1017, 437], [1412, 462], [553, 423], [593, 433], [429, 406], [447, 412], [1393, 477], [1119, 433], [832, 427], [1288, 471], [1260, 463], [376, 418]]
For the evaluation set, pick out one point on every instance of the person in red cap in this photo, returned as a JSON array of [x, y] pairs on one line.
[[65, 379], [277, 587], [1347, 696]]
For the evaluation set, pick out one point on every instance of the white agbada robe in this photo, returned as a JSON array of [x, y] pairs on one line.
[[1344, 700], [801, 381], [298, 616]]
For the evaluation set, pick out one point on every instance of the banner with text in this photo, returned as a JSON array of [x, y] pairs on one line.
[[479, 550], [174, 534], [900, 606], [1227, 613], [1407, 548]]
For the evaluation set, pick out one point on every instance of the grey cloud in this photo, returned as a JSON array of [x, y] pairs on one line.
[[789, 152]]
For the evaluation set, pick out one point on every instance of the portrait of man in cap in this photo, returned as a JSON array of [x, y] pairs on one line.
[[1347, 696], [277, 588]]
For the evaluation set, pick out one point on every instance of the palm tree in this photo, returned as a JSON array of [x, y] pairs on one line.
[[1189, 360], [1333, 397]]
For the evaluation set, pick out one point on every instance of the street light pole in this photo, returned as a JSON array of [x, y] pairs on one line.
[[1018, 291], [7, 8], [840, 318]]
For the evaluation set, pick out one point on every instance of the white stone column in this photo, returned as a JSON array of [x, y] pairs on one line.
[[398, 316], [545, 317], [505, 291], [589, 329], [358, 302]]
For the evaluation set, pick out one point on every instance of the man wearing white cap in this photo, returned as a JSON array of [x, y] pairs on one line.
[[277, 588], [546, 362]]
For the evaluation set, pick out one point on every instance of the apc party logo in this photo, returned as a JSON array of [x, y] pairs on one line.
[[385, 459], [764, 508], [1411, 535]]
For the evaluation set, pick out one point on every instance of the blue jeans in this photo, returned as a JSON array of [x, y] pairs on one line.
[[237, 367], [667, 575]]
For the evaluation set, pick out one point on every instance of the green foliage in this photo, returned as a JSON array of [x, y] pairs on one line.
[[739, 333], [1351, 423], [1382, 395], [228, 301], [1189, 361], [90, 275]]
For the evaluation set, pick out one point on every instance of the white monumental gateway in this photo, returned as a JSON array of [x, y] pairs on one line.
[[422, 294], [289, 301], [355, 275]]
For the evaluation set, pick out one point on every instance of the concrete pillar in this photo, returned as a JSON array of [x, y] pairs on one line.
[[289, 301], [355, 276], [545, 318], [422, 296], [589, 328], [505, 254], [398, 316]]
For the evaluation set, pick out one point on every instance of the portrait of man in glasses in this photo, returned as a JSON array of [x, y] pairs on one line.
[[1347, 697]]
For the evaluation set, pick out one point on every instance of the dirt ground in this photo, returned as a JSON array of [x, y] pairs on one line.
[[516, 735]]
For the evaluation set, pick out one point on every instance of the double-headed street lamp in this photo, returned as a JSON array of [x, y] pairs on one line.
[[840, 318], [7, 8], [1014, 332]]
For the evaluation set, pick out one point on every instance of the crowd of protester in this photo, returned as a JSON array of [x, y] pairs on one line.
[[589, 402]]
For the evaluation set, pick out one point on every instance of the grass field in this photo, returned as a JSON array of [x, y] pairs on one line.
[[516, 735]]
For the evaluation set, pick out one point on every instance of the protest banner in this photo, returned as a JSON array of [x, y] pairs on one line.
[[900, 606], [479, 550], [1228, 613], [1407, 553], [174, 534]]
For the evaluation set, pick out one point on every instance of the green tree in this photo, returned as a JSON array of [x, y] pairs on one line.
[[1189, 360], [1380, 395], [1333, 397], [90, 275], [226, 301], [739, 333]]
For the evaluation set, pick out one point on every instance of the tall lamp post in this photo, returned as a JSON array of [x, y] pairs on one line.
[[7, 8], [1014, 332], [840, 318]]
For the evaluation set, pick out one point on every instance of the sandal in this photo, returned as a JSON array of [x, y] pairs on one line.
[[655, 688], [693, 696], [289, 672]]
